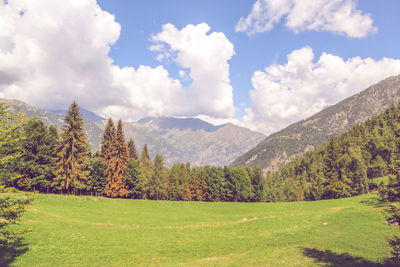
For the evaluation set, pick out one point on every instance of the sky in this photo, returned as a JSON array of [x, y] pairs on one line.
[[261, 64]]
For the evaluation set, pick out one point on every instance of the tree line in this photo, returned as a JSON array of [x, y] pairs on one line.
[[34, 157], [345, 166]]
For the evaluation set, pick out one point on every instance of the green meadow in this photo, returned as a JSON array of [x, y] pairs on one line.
[[93, 231]]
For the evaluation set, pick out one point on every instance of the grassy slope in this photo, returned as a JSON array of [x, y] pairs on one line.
[[88, 231]]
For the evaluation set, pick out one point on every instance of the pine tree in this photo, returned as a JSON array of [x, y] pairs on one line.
[[133, 174], [198, 186], [96, 174], [107, 143], [36, 161], [393, 217], [72, 152], [117, 165], [184, 180], [159, 180], [146, 165], [132, 150], [174, 189]]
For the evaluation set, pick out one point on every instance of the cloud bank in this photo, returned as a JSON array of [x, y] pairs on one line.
[[338, 16], [284, 94], [55, 51]]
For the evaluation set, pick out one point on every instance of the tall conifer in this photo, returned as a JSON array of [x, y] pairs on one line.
[[107, 144], [159, 180], [72, 152], [117, 165], [133, 154], [146, 165]]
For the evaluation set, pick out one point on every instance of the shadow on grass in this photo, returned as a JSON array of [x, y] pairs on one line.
[[9, 252], [330, 258], [375, 202]]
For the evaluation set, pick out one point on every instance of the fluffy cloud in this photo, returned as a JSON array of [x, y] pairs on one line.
[[339, 16], [55, 51], [207, 58], [284, 94]]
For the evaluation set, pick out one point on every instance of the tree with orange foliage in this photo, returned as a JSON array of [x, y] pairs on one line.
[[117, 165], [198, 187]]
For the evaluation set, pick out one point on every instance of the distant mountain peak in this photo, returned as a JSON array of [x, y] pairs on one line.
[[87, 114], [167, 123]]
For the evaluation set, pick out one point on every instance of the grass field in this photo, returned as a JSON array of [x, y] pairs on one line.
[[90, 231]]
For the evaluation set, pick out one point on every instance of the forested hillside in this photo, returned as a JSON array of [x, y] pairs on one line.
[[344, 166], [303, 136]]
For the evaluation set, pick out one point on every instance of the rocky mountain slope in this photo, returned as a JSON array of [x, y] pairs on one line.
[[305, 135], [193, 140], [185, 140]]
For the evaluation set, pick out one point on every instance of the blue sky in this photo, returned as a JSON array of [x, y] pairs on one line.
[[336, 50], [140, 19]]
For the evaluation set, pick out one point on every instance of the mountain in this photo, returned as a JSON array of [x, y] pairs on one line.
[[176, 139], [87, 114], [193, 140], [94, 133], [305, 135]]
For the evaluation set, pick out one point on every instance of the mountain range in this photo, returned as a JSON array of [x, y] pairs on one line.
[[300, 137], [176, 139]]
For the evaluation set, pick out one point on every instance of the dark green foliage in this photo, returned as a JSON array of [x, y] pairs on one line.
[[132, 150], [133, 174], [257, 183], [11, 210], [317, 130], [72, 152], [36, 160], [218, 187], [146, 165], [11, 136], [239, 184], [96, 173], [343, 166], [158, 182], [393, 217], [107, 143]]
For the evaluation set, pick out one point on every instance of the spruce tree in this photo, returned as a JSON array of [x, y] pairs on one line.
[[184, 179], [198, 186], [159, 180], [96, 174], [72, 152], [132, 150], [117, 165], [36, 161], [146, 165], [107, 143], [133, 175]]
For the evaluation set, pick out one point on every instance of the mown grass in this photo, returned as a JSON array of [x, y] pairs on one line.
[[90, 231]]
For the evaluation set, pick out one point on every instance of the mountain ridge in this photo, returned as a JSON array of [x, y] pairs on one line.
[[176, 139], [302, 136]]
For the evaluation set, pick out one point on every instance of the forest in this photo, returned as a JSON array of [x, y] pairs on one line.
[[34, 157]]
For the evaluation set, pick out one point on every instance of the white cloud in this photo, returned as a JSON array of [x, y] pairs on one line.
[[206, 55], [284, 94], [338, 16], [57, 52]]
